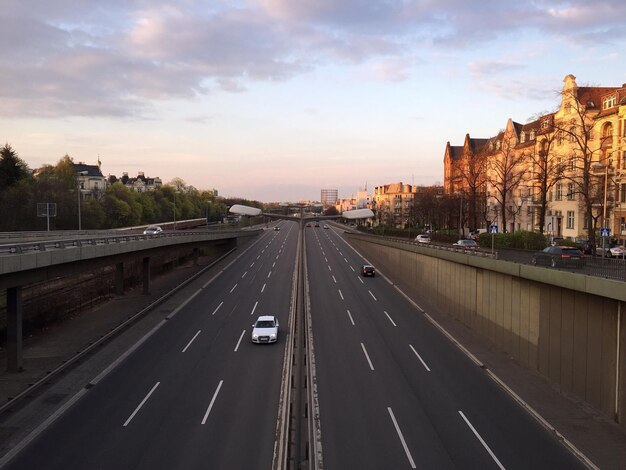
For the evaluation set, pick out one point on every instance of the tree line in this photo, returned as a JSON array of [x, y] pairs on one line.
[[21, 189]]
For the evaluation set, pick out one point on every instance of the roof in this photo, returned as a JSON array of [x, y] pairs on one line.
[[266, 318], [88, 170]]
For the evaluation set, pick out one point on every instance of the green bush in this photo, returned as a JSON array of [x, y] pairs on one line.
[[520, 239]]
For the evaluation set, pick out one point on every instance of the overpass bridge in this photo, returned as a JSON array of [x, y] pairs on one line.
[[47, 257]]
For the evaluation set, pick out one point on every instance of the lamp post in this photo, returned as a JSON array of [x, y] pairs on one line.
[[80, 173]]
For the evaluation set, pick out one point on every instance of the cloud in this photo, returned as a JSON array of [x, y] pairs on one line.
[[121, 57]]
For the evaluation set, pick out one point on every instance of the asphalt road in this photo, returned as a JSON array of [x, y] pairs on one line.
[[196, 393], [394, 392]]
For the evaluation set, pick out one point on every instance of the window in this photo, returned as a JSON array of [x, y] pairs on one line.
[[624, 160], [572, 134], [545, 124], [622, 192], [572, 163], [559, 192], [568, 108], [522, 137], [570, 191], [559, 138], [498, 145], [532, 135], [570, 219], [608, 102]]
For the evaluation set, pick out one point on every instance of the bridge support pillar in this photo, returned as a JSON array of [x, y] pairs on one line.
[[119, 278], [14, 329], [146, 275]]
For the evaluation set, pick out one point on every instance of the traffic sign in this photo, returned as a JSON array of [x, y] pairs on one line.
[[493, 228], [605, 232]]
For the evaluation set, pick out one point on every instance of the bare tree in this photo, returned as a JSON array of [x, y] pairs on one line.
[[576, 126], [473, 171], [506, 172], [547, 171]]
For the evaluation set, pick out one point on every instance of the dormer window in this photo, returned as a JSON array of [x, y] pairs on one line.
[[498, 145], [522, 137], [568, 108], [609, 102], [532, 135], [545, 124]]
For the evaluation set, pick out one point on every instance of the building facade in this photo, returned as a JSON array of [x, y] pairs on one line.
[[329, 197], [558, 174], [394, 204]]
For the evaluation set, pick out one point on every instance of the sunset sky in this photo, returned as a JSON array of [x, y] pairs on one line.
[[275, 99]]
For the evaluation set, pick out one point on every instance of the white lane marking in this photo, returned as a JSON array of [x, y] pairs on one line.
[[373, 297], [240, 338], [340, 294], [420, 308], [367, 356], [345, 260], [493, 456], [206, 415], [258, 257], [326, 259], [189, 343], [350, 315], [218, 307], [334, 279], [392, 322], [244, 275], [254, 308], [406, 449], [234, 287], [361, 280], [252, 264], [420, 358], [262, 288], [277, 256], [329, 268], [141, 404], [352, 268], [269, 274], [274, 264]]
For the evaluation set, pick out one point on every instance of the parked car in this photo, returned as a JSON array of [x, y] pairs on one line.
[[559, 256], [474, 234], [467, 244], [265, 329], [152, 230], [585, 247], [613, 250], [368, 270], [423, 238]]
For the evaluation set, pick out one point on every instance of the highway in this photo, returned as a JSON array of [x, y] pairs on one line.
[[393, 391], [195, 394]]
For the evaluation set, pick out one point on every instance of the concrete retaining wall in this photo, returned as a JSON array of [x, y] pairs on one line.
[[561, 324]]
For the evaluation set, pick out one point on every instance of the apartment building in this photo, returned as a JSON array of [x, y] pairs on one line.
[[558, 173], [394, 204]]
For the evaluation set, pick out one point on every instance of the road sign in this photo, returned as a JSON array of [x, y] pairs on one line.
[[605, 232], [493, 228]]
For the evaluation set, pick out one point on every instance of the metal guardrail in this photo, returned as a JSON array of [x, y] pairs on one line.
[[103, 239], [434, 246]]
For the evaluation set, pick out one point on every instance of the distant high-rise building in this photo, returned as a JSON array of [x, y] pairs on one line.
[[329, 197]]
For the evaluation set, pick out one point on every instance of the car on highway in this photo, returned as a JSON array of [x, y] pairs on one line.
[[277, 228], [265, 329], [152, 230], [559, 257], [317, 224], [423, 238], [325, 226], [368, 270], [467, 244]]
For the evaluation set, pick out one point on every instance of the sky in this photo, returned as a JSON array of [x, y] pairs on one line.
[[274, 100]]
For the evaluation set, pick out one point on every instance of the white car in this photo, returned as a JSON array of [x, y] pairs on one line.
[[265, 329], [152, 230], [467, 244], [423, 238]]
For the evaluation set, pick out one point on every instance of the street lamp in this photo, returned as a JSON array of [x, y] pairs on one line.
[[80, 173]]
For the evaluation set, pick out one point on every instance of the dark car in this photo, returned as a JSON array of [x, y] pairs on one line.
[[368, 270], [559, 257]]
